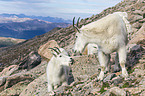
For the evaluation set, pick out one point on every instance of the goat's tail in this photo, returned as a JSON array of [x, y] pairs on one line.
[[124, 16]]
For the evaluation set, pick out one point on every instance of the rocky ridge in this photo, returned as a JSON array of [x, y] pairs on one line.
[[85, 70]]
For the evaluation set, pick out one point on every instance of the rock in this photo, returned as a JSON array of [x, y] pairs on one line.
[[38, 87], [142, 21], [135, 90], [129, 47], [2, 81], [9, 81], [117, 80], [115, 91], [138, 36], [14, 79], [139, 72], [30, 61], [16, 83], [137, 12], [135, 18], [143, 93], [44, 51], [137, 25], [109, 77], [16, 89], [8, 71], [136, 48], [142, 82]]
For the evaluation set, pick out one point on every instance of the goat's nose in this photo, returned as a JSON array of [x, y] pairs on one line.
[[74, 51], [72, 61]]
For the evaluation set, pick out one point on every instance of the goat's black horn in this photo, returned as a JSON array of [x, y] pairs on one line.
[[73, 21], [54, 50], [76, 27], [78, 21], [58, 49]]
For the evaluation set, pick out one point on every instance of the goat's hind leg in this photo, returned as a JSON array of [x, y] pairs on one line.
[[103, 59], [122, 61], [116, 66]]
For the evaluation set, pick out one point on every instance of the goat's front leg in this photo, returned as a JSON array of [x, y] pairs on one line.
[[103, 59], [122, 60], [50, 87]]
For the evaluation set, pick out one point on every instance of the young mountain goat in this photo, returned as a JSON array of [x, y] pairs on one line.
[[110, 34], [58, 68]]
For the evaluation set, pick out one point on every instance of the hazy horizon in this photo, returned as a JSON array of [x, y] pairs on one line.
[[66, 9]]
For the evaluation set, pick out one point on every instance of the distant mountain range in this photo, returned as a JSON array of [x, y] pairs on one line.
[[26, 27], [48, 18]]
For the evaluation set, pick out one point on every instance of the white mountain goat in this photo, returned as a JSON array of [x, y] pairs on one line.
[[58, 68], [110, 34]]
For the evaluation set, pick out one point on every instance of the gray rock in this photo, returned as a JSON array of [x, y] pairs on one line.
[[136, 48], [30, 61], [136, 18], [138, 12], [109, 77], [2, 81], [117, 80], [142, 83], [114, 91]]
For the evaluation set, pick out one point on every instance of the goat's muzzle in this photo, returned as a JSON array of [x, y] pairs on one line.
[[72, 61]]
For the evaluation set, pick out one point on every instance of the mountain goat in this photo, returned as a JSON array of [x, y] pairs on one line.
[[58, 68], [110, 34]]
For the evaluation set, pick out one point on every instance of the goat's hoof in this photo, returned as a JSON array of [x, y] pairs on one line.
[[125, 74], [51, 93], [100, 78]]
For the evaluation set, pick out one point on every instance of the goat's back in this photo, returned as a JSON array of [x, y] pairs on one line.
[[108, 25]]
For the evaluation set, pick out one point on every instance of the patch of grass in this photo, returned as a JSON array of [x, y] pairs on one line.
[[103, 87], [126, 85], [131, 71]]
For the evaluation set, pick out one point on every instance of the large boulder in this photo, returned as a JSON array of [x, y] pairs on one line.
[[37, 87], [138, 36], [9, 70], [45, 52], [30, 61], [14, 84], [115, 91]]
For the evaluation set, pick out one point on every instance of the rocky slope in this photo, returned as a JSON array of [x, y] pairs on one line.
[[16, 79], [4, 42]]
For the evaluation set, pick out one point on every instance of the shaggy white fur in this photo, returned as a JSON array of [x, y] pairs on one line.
[[110, 34], [58, 69]]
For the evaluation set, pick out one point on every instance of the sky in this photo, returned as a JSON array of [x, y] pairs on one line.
[[66, 9]]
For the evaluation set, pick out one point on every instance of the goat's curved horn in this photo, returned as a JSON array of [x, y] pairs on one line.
[[54, 50], [78, 21], [73, 21], [76, 27], [58, 49]]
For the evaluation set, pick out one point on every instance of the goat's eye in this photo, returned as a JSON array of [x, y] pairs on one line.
[[60, 56]]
